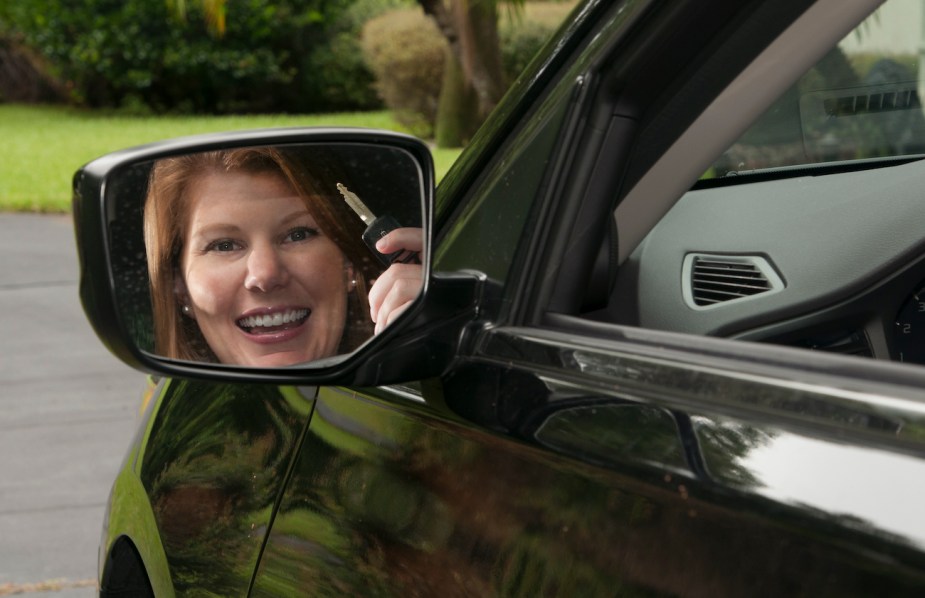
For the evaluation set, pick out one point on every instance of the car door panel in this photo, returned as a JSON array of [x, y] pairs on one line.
[[213, 478], [388, 498]]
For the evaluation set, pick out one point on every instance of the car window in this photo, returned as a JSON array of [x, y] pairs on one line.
[[861, 101], [807, 231]]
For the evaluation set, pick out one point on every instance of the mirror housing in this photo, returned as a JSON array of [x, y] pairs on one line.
[[418, 344]]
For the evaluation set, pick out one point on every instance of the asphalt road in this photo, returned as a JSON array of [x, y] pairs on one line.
[[68, 409]]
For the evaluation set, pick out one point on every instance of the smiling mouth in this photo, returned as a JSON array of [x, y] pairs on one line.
[[269, 323]]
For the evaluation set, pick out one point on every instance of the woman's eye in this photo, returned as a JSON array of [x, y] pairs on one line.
[[300, 234], [221, 245]]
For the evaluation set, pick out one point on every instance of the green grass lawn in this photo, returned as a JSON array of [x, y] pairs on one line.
[[42, 146]]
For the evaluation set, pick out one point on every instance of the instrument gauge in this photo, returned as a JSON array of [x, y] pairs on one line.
[[909, 329]]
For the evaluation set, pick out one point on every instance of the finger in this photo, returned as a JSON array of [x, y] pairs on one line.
[[381, 287], [379, 290], [408, 238], [399, 285], [399, 297], [392, 315]]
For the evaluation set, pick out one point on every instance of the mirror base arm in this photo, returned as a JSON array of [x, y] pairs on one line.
[[425, 346]]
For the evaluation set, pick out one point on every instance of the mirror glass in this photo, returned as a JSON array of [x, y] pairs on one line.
[[265, 256]]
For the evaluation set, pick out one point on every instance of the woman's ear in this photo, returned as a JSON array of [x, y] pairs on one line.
[[182, 296], [351, 276]]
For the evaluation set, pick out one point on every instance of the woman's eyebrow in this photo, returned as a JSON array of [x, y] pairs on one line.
[[214, 228], [296, 215]]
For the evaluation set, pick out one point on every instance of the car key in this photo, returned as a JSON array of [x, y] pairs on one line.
[[376, 228]]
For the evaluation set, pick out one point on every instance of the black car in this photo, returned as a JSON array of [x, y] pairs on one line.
[[666, 339]]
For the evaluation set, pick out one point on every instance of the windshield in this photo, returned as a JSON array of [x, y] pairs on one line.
[[861, 101]]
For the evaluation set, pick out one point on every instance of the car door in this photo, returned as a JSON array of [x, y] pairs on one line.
[[562, 453]]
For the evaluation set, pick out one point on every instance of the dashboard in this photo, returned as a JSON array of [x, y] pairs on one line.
[[825, 260]]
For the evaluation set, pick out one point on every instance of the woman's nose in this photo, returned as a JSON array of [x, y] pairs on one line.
[[265, 270]]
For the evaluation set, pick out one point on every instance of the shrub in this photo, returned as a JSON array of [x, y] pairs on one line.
[[335, 73], [336, 77], [405, 51], [520, 43], [525, 30], [113, 52]]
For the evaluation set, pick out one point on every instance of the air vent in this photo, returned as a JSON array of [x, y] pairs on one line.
[[710, 280], [888, 101]]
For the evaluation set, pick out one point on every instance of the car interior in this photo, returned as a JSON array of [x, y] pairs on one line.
[[806, 231]]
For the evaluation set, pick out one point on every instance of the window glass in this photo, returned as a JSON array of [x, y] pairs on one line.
[[829, 259], [862, 100]]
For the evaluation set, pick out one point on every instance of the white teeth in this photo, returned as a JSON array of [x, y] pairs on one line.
[[277, 319]]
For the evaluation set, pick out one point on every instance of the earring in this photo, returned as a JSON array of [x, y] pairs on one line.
[[186, 310], [353, 283]]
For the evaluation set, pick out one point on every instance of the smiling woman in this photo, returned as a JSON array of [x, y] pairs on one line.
[[264, 284], [255, 259], [235, 246]]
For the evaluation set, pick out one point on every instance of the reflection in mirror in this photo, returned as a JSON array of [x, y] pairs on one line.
[[266, 256]]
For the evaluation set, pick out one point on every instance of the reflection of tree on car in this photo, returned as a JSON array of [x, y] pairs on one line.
[[383, 503], [213, 485]]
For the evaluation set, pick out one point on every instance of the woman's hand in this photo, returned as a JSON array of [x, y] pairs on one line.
[[400, 284]]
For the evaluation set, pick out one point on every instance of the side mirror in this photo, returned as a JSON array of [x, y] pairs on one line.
[[279, 255]]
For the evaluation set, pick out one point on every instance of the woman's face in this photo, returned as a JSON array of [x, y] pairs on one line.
[[263, 282]]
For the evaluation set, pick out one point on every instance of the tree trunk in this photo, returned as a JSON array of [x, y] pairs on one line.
[[457, 113], [471, 30], [477, 25]]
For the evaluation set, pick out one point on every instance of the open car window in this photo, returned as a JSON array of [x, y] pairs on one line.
[[861, 101], [807, 231]]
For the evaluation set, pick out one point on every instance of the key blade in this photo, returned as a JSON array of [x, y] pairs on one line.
[[356, 205]]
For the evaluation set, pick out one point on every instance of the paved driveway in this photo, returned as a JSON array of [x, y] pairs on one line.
[[67, 412]]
